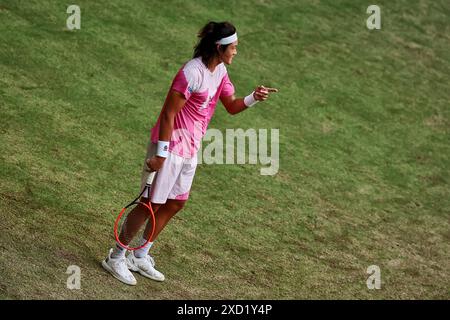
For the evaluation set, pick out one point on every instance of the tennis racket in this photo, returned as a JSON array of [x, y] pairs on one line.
[[131, 223]]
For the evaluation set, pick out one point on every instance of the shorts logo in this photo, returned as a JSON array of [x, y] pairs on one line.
[[165, 148]]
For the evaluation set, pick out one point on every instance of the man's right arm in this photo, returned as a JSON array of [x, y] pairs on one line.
[[175, 102]]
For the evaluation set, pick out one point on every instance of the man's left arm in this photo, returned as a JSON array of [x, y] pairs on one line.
[[235, 105]]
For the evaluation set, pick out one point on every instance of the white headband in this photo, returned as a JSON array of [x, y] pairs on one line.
[[228, 40]]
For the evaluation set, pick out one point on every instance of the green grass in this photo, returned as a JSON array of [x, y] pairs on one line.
[[364, 123]]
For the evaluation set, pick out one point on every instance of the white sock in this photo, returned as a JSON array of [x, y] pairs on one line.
[[118, 252], [142, 252]]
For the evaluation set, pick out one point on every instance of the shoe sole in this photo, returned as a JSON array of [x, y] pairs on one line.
[[108, 268], [142, 273]]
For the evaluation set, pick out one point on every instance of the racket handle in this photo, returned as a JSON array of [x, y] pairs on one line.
[[150, 178]]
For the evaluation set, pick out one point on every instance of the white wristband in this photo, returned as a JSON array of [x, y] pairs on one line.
[[162, 149], [250, 100]]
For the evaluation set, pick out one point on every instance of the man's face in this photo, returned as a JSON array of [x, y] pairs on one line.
[[230, 52]]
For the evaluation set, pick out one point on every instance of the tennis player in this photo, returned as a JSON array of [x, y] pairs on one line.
[[176, 137]]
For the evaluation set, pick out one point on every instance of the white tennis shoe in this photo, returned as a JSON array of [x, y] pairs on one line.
[[145, 266], [118, 268]]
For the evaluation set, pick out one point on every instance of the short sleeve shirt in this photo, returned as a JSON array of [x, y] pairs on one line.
[[202, 89]]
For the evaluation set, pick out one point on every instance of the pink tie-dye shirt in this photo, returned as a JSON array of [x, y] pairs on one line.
[[201, 88]]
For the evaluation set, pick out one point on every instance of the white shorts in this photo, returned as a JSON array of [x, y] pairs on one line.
[[173, 180]]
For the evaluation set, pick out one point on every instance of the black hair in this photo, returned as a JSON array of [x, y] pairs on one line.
[[209, 34]]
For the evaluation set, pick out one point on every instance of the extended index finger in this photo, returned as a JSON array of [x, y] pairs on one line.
[[272, 89]]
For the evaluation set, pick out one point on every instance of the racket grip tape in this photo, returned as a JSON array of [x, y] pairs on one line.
[[150, 177]]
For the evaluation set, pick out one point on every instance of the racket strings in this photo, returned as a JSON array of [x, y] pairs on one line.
[[133, 225]]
